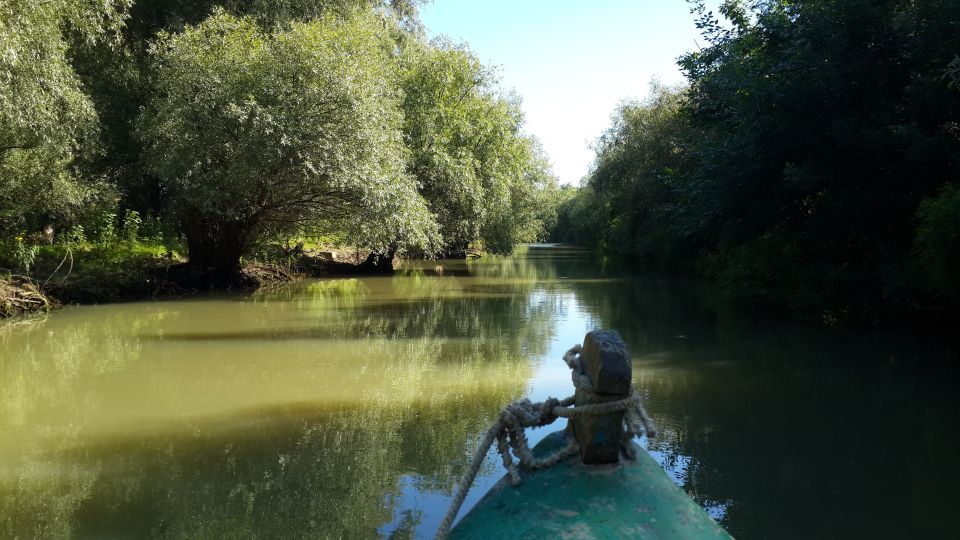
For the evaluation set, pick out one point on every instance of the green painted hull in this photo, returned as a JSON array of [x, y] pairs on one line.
[[571, 500]]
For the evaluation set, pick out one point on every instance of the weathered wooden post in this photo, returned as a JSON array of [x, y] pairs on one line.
[[606, 363]]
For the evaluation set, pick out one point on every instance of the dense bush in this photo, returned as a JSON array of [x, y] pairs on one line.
[[937, 246], [300, 130]]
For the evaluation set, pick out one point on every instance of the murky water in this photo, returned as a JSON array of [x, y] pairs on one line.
[[348, 407]]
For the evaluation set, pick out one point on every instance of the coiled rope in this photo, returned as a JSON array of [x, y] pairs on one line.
[[508, 432]]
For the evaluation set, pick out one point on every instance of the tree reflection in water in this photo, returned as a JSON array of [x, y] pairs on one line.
[[291, 413], [786, 432], [319, 408]]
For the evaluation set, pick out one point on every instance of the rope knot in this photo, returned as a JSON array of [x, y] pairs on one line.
[[547, 414], [509, 434]]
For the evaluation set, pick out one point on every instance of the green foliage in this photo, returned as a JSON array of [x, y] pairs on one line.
[[535, 199], [641, 163], [792, 167], [634, 203], [246, 121], [443, 96], [937, 245], [77, 270], [156, 228], [840, 125], [580, 217], [953, 74], [149, 17], [45, 118], [119, 75], [478, 173], [131, 226], [255, 132], [105, 227], [24, 254], [77, 235], [262, 120]]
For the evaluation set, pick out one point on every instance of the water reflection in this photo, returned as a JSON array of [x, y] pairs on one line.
[[294, 413], [348, 407], [783, 432]]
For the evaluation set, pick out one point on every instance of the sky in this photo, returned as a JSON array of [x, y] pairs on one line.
[[572, 61]]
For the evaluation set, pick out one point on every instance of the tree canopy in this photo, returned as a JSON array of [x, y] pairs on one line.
[[803, 166], [474, 166], [235, 123], [46, 119], [254, 131]]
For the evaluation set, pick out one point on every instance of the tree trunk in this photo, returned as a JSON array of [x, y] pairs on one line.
[[379, 263], [215, 249]]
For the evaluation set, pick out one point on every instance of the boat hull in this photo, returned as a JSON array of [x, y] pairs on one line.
[[630, 499]]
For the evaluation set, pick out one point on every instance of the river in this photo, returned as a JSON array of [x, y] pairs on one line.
[[349, 407]]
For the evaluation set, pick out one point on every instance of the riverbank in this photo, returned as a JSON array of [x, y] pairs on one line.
[[20, 295], [60, 275]]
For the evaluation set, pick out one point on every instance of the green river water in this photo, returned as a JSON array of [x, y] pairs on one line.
[[349, 407]]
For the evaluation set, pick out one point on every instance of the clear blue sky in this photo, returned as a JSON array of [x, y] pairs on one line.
[[571, 61]]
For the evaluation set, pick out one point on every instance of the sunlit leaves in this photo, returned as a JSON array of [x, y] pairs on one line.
[[473, 165], [284, 130], [45, 118]]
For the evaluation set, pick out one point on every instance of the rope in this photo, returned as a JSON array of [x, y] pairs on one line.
[[508, 432]]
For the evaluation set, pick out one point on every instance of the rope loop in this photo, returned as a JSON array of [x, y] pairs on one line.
[[509, 433], [547, 415]]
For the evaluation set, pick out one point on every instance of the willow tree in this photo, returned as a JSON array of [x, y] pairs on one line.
[[473, 164], [256, 132], [119, 76], [45, 117]]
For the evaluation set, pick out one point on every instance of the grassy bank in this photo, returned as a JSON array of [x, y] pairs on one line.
[[39, 277]]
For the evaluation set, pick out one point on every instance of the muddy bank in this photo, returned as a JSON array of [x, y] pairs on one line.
[[20, 295]]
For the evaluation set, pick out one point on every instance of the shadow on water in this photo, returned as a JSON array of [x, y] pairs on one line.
[[241, 448], [787, 432], [287, 472], [348, 407], [296, 413]]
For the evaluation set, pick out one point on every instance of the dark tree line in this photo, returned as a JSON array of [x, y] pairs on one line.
[[810, 166]]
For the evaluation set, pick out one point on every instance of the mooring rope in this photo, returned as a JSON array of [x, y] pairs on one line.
[[508, 432]]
